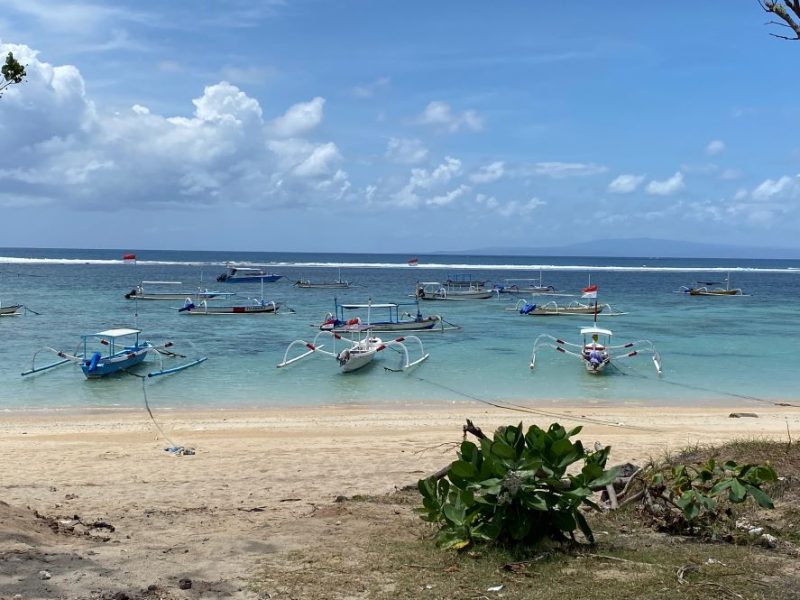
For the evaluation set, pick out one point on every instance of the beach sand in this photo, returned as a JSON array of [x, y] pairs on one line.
[[255, 478]]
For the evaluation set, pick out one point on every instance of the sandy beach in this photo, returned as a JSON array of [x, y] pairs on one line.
[[254, 479]]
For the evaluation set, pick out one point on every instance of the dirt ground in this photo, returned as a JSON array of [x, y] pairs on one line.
[[93, 507]]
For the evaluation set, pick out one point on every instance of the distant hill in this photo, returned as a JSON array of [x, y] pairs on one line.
[[641, 247]]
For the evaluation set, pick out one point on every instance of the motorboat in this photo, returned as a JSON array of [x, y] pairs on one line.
[[247, 274]]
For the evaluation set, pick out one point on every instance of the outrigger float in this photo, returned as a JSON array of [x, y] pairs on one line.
[[396, 317], [121, 349], [358, 352], [596, 351], [553, 309]]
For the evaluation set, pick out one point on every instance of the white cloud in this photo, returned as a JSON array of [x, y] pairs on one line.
[[741, 194], [406, 151], [425, 180], [561, 170], [519, 209], [299, 119], [449, 197], [625, 184], [666, 187], [715, 147], [368, 90], [440, 115], [730, 174], [489, 173], [769, 187], [60, 149]]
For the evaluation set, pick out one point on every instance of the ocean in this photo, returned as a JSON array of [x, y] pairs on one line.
[[721, 350]]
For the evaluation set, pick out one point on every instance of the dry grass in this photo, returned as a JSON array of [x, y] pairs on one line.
[[379, 548]]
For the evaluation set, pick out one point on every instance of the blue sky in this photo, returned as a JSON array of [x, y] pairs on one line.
[[396, 127]]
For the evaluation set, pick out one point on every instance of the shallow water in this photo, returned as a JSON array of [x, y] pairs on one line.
[[713, 349]]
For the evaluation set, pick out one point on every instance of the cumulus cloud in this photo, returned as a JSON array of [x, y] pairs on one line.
[[449, 197], [424, 180], [299, 119], [406, 151], [489, 173], [440, 115], [666, 187], [59, 148], [715, 147], [625, 184], [512, 208], [776, 187]]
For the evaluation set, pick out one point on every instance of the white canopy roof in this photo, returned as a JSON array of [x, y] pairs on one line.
[[113, 333], [595, 330], [354, 306]]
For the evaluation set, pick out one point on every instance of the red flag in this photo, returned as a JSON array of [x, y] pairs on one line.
[[129, 257], [590, 291]]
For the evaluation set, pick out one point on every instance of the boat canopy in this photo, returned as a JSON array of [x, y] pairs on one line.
[[384, 305], [115, 333], [595, 331]]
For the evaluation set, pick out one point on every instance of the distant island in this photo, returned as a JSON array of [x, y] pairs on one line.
[[639, 247]]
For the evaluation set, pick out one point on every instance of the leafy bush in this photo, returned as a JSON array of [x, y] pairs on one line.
[[514, 488], [690, 499]]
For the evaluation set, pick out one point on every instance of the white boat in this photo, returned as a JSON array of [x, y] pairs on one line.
[[434, 290], [358, 351], [236, 274], [393, 317], [198, 295], [255, 307], [595, 350], [112, 351]]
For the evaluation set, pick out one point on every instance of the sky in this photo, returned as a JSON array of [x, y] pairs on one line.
[[416, 126]]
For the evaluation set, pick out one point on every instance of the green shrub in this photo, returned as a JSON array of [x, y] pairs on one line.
[[514, 488]]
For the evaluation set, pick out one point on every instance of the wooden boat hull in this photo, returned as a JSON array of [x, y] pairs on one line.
[[333, 285], [714, 292], [545, 311], [12, 310], [456, 296], [224, 278], [233, 310], [388, 327]]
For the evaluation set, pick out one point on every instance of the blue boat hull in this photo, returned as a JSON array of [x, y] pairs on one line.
[[97, 367]]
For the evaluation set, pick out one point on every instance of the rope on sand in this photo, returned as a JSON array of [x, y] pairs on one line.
[[174, 448], [535, 411]]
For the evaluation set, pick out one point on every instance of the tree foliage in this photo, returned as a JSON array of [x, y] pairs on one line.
[[12, 71], [514, 488], [789, 12]]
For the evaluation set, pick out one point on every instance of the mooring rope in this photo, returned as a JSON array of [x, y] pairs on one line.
[[699, 388], [527, 409]]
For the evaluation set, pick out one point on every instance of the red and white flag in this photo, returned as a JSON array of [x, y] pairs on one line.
[[590, 291]]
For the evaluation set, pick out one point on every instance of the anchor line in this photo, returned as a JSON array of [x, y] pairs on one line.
[[527, 409], [699, 388], [147, 406]]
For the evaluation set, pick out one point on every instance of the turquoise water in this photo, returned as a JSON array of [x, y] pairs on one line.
[[713, 349]]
